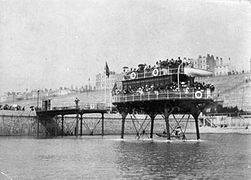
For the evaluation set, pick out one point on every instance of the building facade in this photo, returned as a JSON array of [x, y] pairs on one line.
[[217, 65], [221, 70], [204, 62]]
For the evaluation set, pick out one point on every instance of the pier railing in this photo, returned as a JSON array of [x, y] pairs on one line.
[[149, 96], [98, 106]]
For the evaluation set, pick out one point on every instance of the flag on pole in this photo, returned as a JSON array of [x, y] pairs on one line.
[[114, 88], [107, 71]]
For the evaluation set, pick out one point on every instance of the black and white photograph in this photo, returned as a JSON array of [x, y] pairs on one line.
[[125, 89]]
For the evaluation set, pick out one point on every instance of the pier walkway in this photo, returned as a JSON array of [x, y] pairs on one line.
[[46, 117]]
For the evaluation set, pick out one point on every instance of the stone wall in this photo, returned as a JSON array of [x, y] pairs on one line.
[[242, 121], [17, 126], [18, 123]]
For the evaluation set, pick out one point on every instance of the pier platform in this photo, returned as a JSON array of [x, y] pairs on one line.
[[46, 117]]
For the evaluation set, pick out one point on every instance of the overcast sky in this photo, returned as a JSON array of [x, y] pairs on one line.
[[52, 43]]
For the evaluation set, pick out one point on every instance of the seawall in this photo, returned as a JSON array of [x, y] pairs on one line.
[[14, 123], [233, 90]]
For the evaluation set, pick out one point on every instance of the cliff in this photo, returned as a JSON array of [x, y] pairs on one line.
[[234, 90]]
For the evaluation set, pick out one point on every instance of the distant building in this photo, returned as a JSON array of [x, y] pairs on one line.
[[222, 70], [217, 65], [102, 81], [204, 62], [62, 92]]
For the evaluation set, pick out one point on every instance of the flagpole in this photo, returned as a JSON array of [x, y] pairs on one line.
[[110, 93], [105, 90], [107, 73]]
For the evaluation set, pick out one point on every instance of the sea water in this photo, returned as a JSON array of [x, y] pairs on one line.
[[216, 156]]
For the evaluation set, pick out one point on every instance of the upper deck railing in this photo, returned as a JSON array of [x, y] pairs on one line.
[[168, 95], [152, 73]]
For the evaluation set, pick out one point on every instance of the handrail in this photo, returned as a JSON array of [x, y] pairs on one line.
[[99, 106], [148, 96]]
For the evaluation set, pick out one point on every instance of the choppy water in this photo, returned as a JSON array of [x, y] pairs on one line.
[[217, 156]]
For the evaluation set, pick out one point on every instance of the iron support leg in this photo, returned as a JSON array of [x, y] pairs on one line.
[[37, 127], [77, 126], [62, 129], [123, 124], [197, 127], [81, 124], [102, 124], [166, 115], [152, 124], [56, 123]]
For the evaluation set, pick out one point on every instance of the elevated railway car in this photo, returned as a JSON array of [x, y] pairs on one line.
[[166, 88]]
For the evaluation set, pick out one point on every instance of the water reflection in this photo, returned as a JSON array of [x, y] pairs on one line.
[[206, 159], [217, 157]]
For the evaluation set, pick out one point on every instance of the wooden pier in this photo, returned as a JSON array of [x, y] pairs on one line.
[[46, 116]]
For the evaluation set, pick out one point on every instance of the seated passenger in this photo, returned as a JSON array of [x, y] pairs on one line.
[[177, 131]]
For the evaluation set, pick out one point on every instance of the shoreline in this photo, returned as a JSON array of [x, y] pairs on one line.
[[203, 130], [227, 130]]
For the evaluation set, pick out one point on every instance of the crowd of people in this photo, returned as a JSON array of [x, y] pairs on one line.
[[203, 86], [173, 87], [14, 107], [158, 88], [162, 64]]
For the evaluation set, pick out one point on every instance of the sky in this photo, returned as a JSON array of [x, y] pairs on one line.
[[53, 43]]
